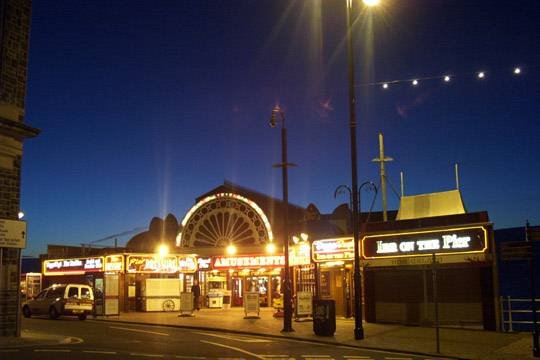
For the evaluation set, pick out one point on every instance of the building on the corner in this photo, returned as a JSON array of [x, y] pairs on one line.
[[14, 36]]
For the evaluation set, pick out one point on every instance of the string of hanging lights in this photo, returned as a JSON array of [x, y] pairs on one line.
[[446, 78]]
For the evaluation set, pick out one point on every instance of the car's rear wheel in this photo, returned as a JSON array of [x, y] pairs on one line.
[[53, 313], [82, 317], [26, 312]]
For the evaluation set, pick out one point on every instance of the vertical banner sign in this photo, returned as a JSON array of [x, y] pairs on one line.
[[304, 303], [251, 302], [111, 294]]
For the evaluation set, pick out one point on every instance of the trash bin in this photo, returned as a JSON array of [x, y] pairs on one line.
[[324, 317]]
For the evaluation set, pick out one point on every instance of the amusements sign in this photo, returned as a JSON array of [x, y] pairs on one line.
[[418, 243], [333, 249], [258, 261], [72, 266]]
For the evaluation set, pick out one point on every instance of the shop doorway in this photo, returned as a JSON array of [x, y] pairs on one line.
[[260, 285], [237, 291]]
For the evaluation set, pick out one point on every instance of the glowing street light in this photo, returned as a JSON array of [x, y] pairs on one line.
[[270, 248], [231, 249], [447, 78], [371, 2], [163, 250], [385, 86], [517, 71], [481, 75], [415, 82]]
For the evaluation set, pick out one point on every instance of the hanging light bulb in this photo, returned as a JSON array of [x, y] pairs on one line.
[[517, 70], [447, 78], [481, 75], [415, 82], [385, 86]]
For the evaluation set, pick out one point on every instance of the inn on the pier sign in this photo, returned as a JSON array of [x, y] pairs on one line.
[[457, 240]]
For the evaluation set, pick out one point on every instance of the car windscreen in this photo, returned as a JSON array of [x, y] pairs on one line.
[[56, 292]]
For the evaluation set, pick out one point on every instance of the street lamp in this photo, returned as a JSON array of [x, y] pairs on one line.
[[341, 189], [287, 306], [358, 329], [162, 250]]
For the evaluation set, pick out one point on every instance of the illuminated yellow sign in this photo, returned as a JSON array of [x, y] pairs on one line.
[[333, 249], [160, 264], [114, 263]]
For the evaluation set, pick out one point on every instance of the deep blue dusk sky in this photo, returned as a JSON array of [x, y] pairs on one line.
[[145, 105]]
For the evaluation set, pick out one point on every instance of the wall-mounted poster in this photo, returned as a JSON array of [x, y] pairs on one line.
[[325, 284]]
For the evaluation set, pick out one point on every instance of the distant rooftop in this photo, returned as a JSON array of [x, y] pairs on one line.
[[430, 205]]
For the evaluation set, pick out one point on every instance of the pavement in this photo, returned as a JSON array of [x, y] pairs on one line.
[[33, 338], [457, 343]]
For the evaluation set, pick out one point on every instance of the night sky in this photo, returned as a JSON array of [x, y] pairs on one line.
[[145, 105]]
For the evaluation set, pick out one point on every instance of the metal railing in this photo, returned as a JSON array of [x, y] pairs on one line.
[[514, 312]]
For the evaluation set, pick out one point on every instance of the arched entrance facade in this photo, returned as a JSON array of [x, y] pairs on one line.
[[233, 232]]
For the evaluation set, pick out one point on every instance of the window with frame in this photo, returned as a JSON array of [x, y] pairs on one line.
[[85, 293], [73, 292]]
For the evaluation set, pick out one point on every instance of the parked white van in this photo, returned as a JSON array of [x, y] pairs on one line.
[[64, 299]]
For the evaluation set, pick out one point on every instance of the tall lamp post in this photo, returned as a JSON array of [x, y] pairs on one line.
[[358, 328], [287, 306]]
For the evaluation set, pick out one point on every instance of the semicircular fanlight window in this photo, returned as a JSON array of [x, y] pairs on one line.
[[223, 221]]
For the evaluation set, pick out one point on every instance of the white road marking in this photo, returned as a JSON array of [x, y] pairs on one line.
[[72, 340], [147, 355], [233, 348], [236, 338], [139, 330], [99, 352], [52, 350]]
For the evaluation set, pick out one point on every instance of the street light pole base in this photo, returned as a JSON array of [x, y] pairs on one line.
[[287, 329], [536, 346], [359, 334]]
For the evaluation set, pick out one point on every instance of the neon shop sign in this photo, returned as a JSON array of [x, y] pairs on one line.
[[451, 241]]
